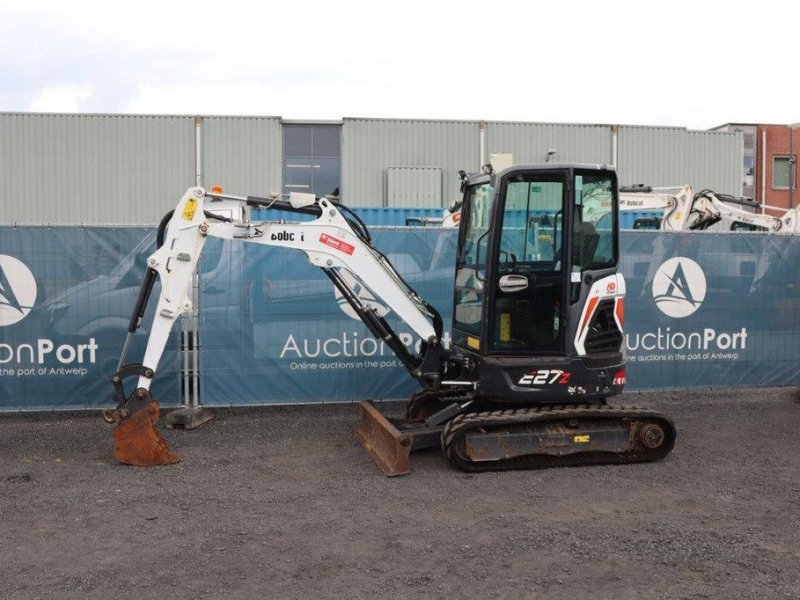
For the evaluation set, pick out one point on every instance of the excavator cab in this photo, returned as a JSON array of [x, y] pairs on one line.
[[537, 300]]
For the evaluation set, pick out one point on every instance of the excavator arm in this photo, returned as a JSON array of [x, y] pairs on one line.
[[709, 208], [687, 211], [338, 245]]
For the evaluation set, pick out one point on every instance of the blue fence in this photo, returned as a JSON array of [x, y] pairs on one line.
[[702, 310], [66, 294]]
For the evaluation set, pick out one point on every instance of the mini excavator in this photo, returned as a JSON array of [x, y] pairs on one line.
[[537, 343]]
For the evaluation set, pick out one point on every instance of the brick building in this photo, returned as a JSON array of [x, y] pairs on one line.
[[770, 153]]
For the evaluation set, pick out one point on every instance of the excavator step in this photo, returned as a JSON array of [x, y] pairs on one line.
[[542, 437]]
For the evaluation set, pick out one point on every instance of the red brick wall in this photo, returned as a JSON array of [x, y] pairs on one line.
[[777, 144]]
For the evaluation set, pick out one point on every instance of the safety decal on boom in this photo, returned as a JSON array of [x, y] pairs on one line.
[[336, 243], [189, 209]]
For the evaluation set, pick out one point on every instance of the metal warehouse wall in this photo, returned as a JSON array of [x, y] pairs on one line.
[[529, 142], [120, 169], [371, 146], [662, 156], [88, 169], [242, 154]]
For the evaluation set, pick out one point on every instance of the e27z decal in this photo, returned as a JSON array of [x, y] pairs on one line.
[[545, 377]]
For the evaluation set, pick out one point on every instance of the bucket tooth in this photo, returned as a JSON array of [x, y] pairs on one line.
[[137, 441], [388, 447]]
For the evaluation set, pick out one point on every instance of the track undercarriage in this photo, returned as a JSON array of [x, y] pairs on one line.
[[480, 435]]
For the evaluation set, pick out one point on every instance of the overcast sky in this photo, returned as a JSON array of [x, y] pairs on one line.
[[685, 63]]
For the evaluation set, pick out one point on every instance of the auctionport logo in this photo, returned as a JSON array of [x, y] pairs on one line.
[[17, 290], [679, 287]]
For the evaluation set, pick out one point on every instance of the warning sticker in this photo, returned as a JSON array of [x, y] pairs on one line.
[[189, 209], [340, 245]]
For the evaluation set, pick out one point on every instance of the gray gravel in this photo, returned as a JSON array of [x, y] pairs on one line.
[[283, 503]]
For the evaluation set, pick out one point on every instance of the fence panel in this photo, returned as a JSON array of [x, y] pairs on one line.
[[702, 310], [66, 295]]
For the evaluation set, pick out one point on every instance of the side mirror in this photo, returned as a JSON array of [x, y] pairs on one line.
[[513, 283]]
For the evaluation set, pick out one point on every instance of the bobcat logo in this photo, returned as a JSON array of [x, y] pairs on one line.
[[679, 287], [17, 290]]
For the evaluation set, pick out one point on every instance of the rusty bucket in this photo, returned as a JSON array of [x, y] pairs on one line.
[[136, 440]]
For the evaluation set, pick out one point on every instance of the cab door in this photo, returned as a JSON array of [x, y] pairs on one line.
[[529, 278], [469, 305]]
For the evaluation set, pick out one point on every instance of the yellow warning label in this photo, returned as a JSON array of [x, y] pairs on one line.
[[189, 209], [473, 343], [581, 439], [505, 327]]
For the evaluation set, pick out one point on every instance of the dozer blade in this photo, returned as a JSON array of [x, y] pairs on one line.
[[388, 447], [136, 440]]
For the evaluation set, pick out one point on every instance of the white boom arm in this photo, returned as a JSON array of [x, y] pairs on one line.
[[675, 207], [329, 242], [688, 211], [707, 209]]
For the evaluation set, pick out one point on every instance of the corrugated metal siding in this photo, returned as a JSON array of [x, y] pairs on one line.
[[88, 169], [243, 154], [529, 142], [369, 146], [414, 186], [661, 156]]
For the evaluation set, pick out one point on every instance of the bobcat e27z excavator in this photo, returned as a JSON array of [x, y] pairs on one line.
[[537, 344]]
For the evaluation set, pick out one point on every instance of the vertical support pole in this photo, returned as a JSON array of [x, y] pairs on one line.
[[482, 143], [198, 151], [185, 352], [763, 170], [196, 340], [191, 414], [791, 166], [614, 142]]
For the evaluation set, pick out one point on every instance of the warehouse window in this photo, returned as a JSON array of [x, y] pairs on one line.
[[782, 172], [311, 158]]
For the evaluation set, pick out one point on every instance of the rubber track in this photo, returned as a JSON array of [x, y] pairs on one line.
[[456, 430]]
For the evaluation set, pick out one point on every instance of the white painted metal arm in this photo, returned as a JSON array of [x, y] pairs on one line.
[[675, 207], [329, 242], [175, 262], [709, 206]]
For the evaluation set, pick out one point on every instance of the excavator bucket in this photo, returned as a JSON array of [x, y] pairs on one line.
[[388, 447], [136, 440]]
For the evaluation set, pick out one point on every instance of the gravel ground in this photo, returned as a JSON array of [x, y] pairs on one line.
[[283, 503]]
